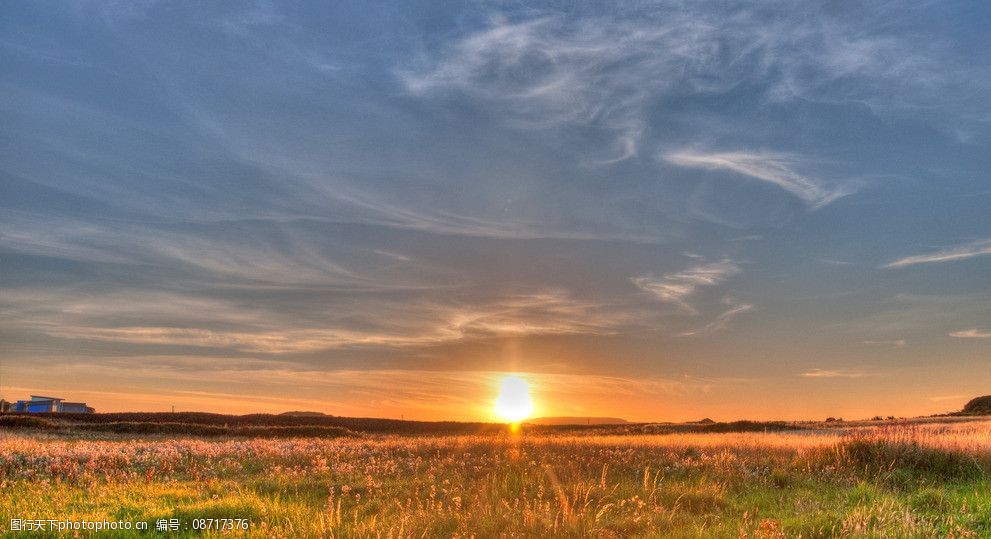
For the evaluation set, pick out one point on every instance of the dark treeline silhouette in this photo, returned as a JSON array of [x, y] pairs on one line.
[[356, 424], [295, 425]]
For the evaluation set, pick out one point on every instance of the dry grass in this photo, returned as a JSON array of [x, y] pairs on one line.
[[928, 480]]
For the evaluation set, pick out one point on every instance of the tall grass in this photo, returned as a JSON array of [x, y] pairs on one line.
[[908, 480]]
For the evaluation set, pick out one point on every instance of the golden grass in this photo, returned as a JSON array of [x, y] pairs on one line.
[[909, 479]]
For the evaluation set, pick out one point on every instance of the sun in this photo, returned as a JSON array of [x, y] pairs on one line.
[[513, 403]]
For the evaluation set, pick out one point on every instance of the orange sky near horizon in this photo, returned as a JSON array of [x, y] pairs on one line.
[[459, 396]]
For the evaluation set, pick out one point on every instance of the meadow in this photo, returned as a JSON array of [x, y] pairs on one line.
[[884, 479]]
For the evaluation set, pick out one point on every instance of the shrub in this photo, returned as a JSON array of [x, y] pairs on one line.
[[908, 459], [190, 429], [25, 422], [978, 406], [174, 428]]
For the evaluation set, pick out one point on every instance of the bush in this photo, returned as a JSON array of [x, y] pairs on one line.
[[190, 429], [174, 428], [908, 459], [371, 425], [25, 422], [978, 406]]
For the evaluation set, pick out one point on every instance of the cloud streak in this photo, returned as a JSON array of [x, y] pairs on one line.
[[774, 168], [676, 288], [962, 252], [834, 373], [722, 319], [174, 319], [971, 334], [897, 343]]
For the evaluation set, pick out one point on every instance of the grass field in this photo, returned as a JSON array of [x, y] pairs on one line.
[[901, 479]]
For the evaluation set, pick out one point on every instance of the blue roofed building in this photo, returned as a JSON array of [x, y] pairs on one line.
[[40, 404]]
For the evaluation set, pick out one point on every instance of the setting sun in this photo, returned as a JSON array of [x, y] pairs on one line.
[[514, 403]]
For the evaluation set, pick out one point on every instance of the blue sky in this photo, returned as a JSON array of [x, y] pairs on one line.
[[710, 208]]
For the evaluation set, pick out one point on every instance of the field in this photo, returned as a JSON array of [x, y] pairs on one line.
[[877, 479]]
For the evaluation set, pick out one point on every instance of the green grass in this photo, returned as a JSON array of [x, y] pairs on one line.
[[701, 485]]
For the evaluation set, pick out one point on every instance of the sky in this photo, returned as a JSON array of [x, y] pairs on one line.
[[659, 211]]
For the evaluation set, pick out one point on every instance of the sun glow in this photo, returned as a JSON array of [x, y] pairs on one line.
[[514, 403]]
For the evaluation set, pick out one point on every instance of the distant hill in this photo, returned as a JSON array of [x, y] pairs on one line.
[[978, 406], [303, 414], [577, 421]]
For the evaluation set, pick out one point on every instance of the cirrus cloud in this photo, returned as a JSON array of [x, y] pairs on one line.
[[676, 288], [774, 168], [835, 373], [961, 252], [971, 334]]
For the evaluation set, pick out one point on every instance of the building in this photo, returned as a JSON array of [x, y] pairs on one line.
[[75, 408], [40, 405]]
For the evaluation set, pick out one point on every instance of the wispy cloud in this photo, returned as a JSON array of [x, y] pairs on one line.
[[272, 342], [721, 320], [773, 168], [835, 373], [897, 343], [943, 398], [676, 288], [833, 262], [962, 252], [260, 252], [238, 326], [913, 314], [971, 334], [547, 69]]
